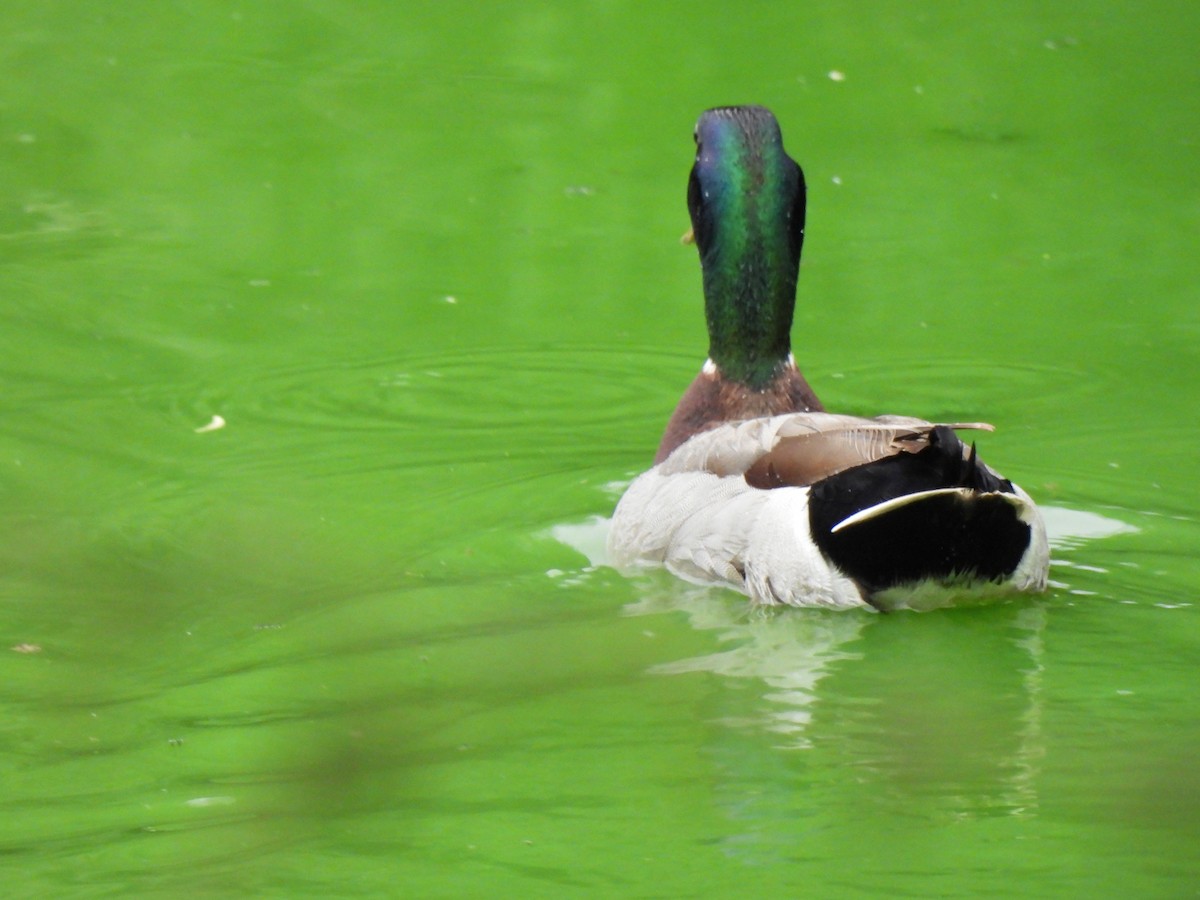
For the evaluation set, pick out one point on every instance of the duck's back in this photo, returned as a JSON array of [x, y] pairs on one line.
[[712, 400]]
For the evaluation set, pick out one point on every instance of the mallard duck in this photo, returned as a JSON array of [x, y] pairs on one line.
[[755, 485]]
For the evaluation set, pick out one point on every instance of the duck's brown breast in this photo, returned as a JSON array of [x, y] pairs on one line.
[[711, 399]]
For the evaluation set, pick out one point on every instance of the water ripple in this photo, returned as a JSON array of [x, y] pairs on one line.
[[497, 389]]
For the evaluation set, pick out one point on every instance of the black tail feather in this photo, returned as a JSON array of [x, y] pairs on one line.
[[944, 537]]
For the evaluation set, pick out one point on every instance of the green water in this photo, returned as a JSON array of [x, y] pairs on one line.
[[423, 262]]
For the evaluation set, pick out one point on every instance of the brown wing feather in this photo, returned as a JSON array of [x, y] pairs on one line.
[[802, 458]]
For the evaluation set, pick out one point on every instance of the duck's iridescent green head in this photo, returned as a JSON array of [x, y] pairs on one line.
[[746, 199]]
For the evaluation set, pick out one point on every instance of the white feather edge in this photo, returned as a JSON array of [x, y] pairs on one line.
[[1023, 505]]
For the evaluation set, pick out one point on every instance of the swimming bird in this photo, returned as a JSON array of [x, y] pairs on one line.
[[755, 485]]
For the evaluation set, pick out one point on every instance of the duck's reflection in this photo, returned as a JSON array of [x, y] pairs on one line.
[[789, 653], [937, 715], [826, 723]]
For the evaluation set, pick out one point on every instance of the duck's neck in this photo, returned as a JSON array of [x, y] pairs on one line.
[[747, 202], [749, 297]]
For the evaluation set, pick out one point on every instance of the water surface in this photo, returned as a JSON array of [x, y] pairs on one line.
[[423, 263]]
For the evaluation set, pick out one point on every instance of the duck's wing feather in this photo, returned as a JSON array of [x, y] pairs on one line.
[[799, 449]]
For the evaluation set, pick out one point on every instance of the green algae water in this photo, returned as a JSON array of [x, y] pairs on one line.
[[332, 330]]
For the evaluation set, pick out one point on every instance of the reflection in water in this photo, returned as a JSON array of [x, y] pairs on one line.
[[899, 710], [1031, 625], [790, 653], [964, 735]]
